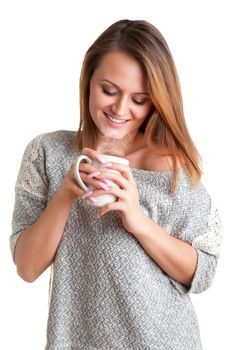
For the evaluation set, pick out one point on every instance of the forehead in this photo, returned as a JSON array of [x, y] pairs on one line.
[[123, 70]]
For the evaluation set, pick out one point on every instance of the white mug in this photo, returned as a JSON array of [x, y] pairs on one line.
[[105, 198]]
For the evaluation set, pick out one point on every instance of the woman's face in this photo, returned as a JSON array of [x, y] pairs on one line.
[[119, 101]]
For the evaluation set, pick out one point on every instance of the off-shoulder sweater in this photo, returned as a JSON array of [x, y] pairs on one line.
[[106, 292]]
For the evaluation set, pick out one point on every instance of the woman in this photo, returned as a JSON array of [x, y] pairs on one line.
[[122, 274]]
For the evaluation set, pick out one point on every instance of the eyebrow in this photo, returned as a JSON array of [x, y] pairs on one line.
[[136, 93]]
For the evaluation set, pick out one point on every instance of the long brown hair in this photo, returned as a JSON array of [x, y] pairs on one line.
[[165, 124]]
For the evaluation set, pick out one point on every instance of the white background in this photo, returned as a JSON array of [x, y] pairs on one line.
[[42, 47]]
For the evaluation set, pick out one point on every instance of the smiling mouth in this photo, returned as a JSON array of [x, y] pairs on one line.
[[116, 120]]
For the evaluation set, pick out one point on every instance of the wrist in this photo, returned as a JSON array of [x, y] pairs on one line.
[[142, 226], [64, 198]]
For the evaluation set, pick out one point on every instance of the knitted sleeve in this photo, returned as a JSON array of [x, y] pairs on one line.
[[203, 230], [30, 191], [208, 249]]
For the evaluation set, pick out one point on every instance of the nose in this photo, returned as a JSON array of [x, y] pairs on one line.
[[120, 107]]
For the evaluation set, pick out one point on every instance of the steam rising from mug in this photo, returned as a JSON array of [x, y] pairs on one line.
[[111, 146]]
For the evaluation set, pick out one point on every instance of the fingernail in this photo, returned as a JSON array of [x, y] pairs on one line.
[[92, 199], [107, 165], [100, 159], [107, 182], [103, 186], [86, 195], [95, 173]]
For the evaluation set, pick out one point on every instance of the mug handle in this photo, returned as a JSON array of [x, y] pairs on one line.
[[76, 171]]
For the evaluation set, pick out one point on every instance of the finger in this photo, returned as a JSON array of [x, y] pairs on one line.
[[117, 178], [128, 175], [90, 153], [86, 168], [116, 206], [93, 182], [87, 195], [99, 192], [125, 170], [75, 188], [94, 174], [95, 156], [116, 192]]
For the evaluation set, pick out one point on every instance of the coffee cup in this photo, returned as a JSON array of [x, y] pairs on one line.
[[103, 199]]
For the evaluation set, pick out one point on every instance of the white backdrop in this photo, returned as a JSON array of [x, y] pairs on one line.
[[42, 47]]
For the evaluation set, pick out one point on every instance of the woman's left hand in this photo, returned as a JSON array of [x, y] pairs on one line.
[[127, 203]]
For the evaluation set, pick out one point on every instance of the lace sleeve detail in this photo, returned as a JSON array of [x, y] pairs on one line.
[[29, 178], [210, 242]]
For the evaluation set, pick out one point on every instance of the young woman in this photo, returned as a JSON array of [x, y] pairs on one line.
[[121, 275]]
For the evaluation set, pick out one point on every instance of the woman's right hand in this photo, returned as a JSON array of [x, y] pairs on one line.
[[70, 190]]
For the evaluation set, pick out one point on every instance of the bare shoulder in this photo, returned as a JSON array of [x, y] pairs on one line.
[[156, 159]]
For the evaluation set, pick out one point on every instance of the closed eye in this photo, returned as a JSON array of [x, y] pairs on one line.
[[138, 102], [107, 92]]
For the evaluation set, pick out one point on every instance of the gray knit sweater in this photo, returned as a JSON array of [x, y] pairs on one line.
[[106, 292]]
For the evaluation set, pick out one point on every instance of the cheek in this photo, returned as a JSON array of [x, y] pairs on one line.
[[92, 99], [97, 99], [143, 112]]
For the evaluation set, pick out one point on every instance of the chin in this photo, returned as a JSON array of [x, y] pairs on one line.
[[112, 135]]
